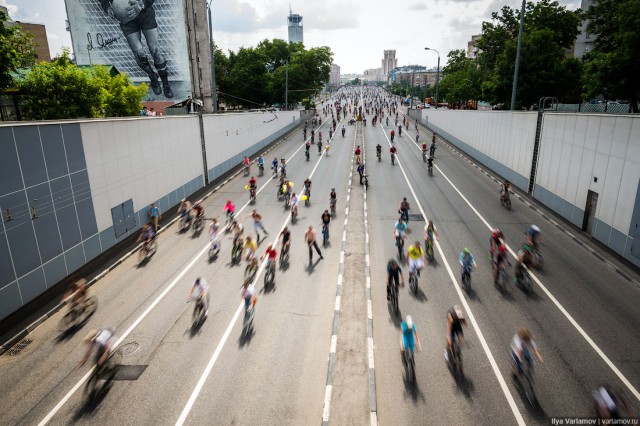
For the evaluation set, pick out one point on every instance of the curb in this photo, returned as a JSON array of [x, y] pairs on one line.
[[4, 347]]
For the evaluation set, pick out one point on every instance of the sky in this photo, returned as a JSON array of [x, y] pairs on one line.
[[356, 31]]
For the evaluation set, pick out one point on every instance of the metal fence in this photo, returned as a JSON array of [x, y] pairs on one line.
[[607, 108]]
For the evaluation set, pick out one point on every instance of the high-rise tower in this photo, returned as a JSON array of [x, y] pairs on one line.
[[294, 22], [389, 62]]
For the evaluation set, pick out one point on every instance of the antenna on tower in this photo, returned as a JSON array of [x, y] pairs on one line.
[[290, 11]]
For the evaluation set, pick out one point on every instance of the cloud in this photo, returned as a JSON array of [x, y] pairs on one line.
[[242, 17], [11, 8], [417, 6]]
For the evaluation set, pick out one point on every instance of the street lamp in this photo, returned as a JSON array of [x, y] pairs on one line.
[[214, 94], [286, 81], [517, 68], [437, 74]]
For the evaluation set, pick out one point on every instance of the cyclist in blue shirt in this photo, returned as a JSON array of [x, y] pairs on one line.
[[400, 230], [466, 261], [408, 338]]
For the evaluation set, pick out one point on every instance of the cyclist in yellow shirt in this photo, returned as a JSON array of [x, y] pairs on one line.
[[415, 254]]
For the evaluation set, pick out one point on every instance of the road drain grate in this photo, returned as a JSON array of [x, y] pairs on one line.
[[128, 348], [129, 372], [19, 347], [415, 218]]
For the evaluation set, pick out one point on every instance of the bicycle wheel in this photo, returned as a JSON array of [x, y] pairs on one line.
[[394, 300], [142, 254], [66, 321], [413, 283]]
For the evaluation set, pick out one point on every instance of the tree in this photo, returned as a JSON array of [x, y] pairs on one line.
[[61, 90], [612, 68], [546, 22], [462, 78], [17, 50]]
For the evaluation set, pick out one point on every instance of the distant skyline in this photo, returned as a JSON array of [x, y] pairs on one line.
[[356, 32]]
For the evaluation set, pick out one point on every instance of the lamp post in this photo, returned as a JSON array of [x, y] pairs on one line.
[[437, 74], [517, 68], [214, 94]]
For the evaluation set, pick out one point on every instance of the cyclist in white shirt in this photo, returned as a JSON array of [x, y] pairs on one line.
[[200, 292], [214, 234]]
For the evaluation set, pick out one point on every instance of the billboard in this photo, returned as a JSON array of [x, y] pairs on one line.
[[145, 39]]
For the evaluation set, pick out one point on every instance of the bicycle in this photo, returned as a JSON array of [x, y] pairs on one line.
[[294, 214], [393, 159], [524, 282], [332, 206], [523, 375], [147, 250], [198, 315], [393, 290], [455, 358], [430, 169], [236, 251], [248, 320], [466, 278], [429, 250], [410, 365], [379, 155], [227, 224], [185, 223], [252, 196], [284, 255], [77, 314], [505, 201], [503, 279], [413, 281], [214, 251], [270, 274], [105, 372], [251, 269], [198, 224], [325, 234], [400, 245], [260, 169], [424, 155]]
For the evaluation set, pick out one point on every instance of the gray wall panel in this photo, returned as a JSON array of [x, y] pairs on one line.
[[53, 147], [66, 212], [92, 247], [73, 147], [9, 299], [10, 178], [75, 258], [24, 250], [107, 238], [45, 223], [6, 267], [18, 206], [32, 285], [30, 153], [84, 204], [55, 270]]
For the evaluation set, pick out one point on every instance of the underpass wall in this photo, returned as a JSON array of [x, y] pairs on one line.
[[578, 154], [71, 190]]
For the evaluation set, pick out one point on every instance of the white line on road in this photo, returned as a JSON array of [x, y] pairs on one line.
[[573, 322], [474, 323]]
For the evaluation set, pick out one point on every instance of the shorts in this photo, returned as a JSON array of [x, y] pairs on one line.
[[415, 263], [146, 20]]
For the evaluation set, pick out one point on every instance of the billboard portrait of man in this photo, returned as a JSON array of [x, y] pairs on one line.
[[137, 19]]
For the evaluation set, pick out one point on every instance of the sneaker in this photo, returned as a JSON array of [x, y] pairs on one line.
[[155, 84], [446, 355], [168, 93]]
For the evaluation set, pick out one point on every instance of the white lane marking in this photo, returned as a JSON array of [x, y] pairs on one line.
[[73, 390], [337, 305], [205, 374], [474, 323], [334, 343], [370, 352], [327, 403], [567, 315]]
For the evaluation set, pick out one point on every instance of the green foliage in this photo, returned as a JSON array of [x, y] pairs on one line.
[[613, 66], [256, 76], [17, 50], [61, 90], [549, 30]]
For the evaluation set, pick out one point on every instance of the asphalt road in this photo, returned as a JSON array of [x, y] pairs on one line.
[[583, 313]]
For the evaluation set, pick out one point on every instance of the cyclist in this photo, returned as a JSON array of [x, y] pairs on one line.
[[393, 151], [102, 342], [505, 189], [499, 257], [394, 273], [404, 208], [147, 234], [429, 231], [408, 338], [286, 240], [533, 234], [319, 145], [283, 167], [293, 203], [272, 254], [253, 185], [198, 211], [261, 163], [417, 136], [237, 229], [433, 140], [274, 165], [424, 147], [399, 230], [250, 247], [333, 199], [430, 164], [343, 130], [307, 188], [415, 254], [247, 165], [378, 150], [214, 234], [357, 154], [455, 322], [77, 294], [185, 210], [387, 121], [522, 345], [200, 291], [248, 294], [399, 130], [229, 209], [310, 238], [496, 240], [393, 133], [326, 220], [611, 404], [466, 261]]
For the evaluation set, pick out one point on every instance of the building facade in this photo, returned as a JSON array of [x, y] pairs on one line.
[[294, 23], [472, 50], [389, 62], [39, 33], [584, 41], [334, 75], [200, 58]]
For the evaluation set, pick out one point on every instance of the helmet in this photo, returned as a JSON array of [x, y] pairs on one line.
[[466, 250], [498, 232], [502, 248], [458, 310], [228, 201], [409, 322], [535, 228]]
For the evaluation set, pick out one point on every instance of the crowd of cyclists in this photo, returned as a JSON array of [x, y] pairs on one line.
[[378, 107]]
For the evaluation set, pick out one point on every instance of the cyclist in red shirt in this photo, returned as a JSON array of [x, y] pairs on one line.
[[358, 154], [272, 255]]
